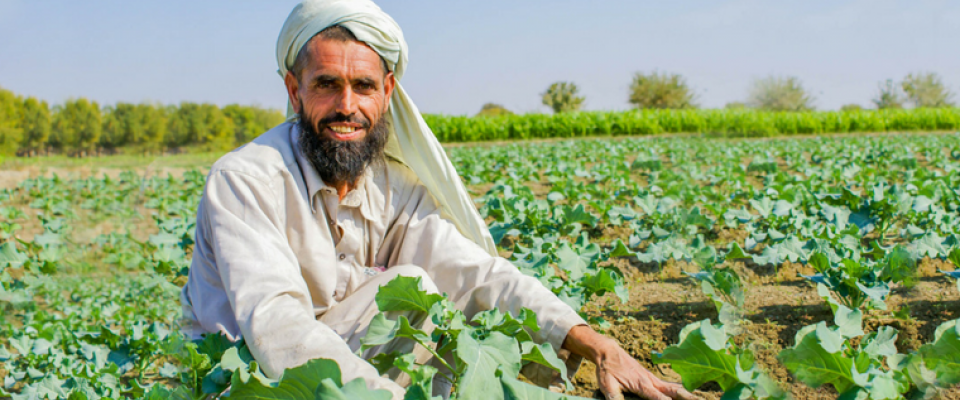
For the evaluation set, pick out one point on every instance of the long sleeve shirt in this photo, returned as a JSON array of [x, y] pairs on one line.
[[276, 248]]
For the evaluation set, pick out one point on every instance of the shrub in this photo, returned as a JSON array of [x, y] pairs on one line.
[[661, 90], [890, 96], [562, 97], [777, 93], [851, 107], [493, 110], [927, 90]]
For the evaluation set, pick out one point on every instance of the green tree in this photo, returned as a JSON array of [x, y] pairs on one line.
[[37, 123], [77, 127], [776, 93], [493, 110], [926, 89], [562, 97], [11, 132], [735, 105], [251, 121], [201, 125], [851, 107], [154, 128], [661, 90], [889, 97]]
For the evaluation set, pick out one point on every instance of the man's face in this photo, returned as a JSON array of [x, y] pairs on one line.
[[342, 90], [341, 96]]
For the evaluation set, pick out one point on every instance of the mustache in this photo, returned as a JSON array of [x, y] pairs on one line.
[[338, 117]]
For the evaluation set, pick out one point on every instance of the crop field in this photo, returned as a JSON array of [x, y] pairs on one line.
[[805, 267]]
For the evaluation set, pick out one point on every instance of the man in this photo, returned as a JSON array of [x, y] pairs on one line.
[[298, 229]]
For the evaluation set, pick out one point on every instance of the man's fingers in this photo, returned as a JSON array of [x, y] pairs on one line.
[[610, 387], [676, 391]]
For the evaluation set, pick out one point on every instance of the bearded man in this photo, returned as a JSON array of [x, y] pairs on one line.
[[297, 230]]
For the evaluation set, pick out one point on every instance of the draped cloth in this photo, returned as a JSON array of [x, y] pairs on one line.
[[411, 141]]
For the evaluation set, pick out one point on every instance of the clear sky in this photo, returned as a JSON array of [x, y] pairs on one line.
[[466, 53]]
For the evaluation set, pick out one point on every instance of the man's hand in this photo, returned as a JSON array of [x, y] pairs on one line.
[[617, 371]]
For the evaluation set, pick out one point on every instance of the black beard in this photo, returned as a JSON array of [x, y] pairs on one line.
[[336, 161]]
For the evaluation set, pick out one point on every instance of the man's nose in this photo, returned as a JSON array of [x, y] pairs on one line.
[[348, 102]]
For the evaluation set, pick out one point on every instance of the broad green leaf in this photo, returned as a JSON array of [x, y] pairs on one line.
[[404, 293], [698, 360], [296, 383], [482, 359], [816, 359], [353, 390], [514, 389]]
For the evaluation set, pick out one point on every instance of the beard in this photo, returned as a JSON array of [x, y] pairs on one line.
[[338, 161]]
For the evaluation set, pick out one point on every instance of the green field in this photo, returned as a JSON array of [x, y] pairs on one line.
[[811, 267]]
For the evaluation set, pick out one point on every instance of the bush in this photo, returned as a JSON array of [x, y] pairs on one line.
[[890, 96], [779, 94], [851, 107], [562, 97], [493, 110], [661, 90], [926, 90]]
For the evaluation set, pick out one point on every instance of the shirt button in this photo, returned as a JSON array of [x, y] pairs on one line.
[[342, 256]]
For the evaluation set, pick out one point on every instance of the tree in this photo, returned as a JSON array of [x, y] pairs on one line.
[[777, 93], [661, 90], [926, 90], [890, 96], [493, 110], [851, 107], [37, 123], [77, 126], [202, 125], [562, 97], [11, 132], [251, 121], [735, 105]]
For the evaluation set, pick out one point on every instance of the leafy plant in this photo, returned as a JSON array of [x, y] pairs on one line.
[[562, 97], [661, 90], [706, 353], [777, 93]]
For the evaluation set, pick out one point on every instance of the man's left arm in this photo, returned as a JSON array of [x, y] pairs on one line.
[[477, 281]]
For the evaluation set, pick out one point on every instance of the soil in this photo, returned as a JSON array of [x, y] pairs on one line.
[[663, 301]]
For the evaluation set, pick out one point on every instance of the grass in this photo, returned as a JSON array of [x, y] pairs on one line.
[[122, 161]]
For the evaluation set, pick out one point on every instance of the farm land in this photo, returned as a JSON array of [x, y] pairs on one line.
[[784, 245]]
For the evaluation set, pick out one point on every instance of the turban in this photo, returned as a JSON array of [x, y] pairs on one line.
[[410, 141]]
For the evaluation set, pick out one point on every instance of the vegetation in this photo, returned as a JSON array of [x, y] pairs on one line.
[[727, 123], [777, 93], [661, 90], [90, 270], [927, 90], [79, 127], [493, 110], [890, 96], [562, 97]]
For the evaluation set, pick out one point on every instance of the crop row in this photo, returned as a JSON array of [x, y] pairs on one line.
[[733, 123]]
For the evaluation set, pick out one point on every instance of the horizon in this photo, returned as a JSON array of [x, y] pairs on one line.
[[463, 56]]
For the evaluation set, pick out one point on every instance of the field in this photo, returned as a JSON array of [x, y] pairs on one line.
[[647, 237]]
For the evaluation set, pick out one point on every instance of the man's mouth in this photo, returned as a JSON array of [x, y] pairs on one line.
[[343, 132]]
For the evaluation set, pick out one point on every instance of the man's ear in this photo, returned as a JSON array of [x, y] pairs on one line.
[[293, 85], [388, 84]]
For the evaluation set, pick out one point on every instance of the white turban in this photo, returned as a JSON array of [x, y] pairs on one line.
[[411, 140]]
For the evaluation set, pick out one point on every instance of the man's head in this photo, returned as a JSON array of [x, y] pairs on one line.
[[340, 88]]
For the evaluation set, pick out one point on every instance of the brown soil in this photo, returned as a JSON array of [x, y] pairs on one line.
[[663, 301]]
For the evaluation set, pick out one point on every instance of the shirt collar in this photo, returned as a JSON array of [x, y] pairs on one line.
[[315, 184]]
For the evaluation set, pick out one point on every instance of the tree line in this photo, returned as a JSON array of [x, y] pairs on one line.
[[80, 127], [662, 90]]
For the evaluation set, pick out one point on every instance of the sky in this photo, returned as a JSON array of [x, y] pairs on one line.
[[467, 53]]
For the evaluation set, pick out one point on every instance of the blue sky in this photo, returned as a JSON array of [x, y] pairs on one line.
[[464, 54]]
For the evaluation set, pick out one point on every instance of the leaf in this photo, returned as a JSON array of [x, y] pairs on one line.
[[881, 343], [296, 383], [9, 256], [849, 322], [700, 357], [353, 390], [382, 330], [405, 293], [514, 389], [421, 378], [483, 358], [816, 359], [943, 355], [543, 354]]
